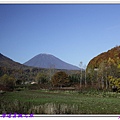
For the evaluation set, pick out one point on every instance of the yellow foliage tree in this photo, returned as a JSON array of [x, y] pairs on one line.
[[114, 82]]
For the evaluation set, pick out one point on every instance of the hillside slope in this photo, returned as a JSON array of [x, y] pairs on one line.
[[9, 63], [113, 54]]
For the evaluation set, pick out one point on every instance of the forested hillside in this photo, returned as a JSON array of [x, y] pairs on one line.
[[104, 69], [106, 57]]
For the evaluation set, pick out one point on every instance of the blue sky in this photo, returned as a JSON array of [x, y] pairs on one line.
[[71, 32]]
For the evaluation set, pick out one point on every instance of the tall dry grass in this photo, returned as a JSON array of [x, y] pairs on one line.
[[55, 108]]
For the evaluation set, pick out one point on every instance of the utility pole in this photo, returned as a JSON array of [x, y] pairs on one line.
[[96, 69], [81, 74], [85, 76], [106, 82], [52, 70]]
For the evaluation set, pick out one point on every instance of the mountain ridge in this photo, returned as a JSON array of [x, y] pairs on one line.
[[44, 60], [8, 62]]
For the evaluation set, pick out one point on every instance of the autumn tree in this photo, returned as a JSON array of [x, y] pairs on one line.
[[60, 79], [114, 83]]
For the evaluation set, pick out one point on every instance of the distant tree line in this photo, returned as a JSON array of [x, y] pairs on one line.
[[12, 78]]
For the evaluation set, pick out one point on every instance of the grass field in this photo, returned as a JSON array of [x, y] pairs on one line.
[[60, 102]]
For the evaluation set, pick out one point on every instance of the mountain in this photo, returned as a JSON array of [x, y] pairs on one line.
[[9, 63], [112, 55], [49, 61]]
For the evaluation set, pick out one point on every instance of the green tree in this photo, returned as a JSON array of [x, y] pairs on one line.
[[74, 78], [1, 71], [7, 81], [41, 78], [60, 79]]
